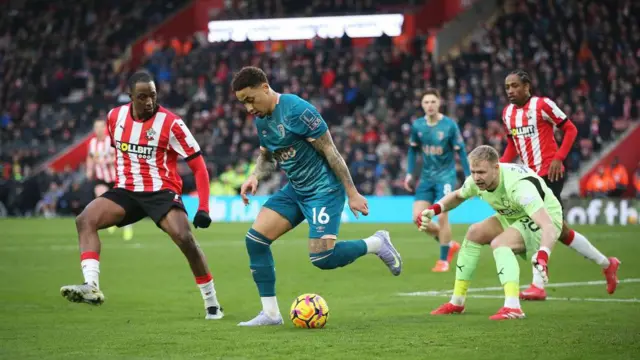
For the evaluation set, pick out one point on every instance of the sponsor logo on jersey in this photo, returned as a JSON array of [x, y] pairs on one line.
[[143, 151], [525, 131], [283, 155]]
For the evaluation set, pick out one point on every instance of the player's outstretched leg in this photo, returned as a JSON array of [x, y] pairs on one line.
[[580, 244], [99, 214], [477, 235], [176, 224], [268, 227], [326, 254], [508, 272]]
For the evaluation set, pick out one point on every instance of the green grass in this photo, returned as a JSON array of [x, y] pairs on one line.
[[154, 310]]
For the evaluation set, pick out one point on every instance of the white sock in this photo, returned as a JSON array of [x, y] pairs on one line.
[[373, 244], [586, 249], [270, 306], [91, 271], [457, 300], [209, 294], [512, 302], [538, 281]]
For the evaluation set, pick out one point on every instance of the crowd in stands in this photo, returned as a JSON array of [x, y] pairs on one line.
[[583, 55]]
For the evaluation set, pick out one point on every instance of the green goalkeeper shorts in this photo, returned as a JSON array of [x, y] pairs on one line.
[[530, 231]]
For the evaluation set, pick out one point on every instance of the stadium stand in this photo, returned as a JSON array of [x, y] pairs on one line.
[[582, 55]]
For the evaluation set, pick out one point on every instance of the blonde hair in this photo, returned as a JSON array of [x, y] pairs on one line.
[[484, 153]]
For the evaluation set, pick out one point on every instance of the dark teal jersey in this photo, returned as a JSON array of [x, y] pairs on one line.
[[288, 133], [438, 144]]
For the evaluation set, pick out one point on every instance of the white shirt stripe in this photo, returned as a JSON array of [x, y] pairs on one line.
[[158, 122], [119, 128], [136, 130]]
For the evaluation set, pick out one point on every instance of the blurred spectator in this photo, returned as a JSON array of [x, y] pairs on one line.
[[620, 178], [600, 183]]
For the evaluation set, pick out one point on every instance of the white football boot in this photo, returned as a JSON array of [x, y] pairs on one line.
[[85, 293], [263, 320]]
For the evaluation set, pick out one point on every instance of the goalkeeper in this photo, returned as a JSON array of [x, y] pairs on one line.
[[527, 222]]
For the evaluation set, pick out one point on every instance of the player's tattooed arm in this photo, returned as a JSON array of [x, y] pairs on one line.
[[325, 146], [265, 164]]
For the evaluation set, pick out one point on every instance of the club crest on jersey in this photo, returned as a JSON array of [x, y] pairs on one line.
[[151, 134], [440, 135], [281, 131], [264, 133], [143, 151], [525, 131]]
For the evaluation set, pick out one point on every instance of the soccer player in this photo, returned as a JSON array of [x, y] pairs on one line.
[[437, 137], [101, 167], [530, 123], [293, 134], [148, 140], [528, 222]]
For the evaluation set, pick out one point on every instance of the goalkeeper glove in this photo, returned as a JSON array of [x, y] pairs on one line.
[[539, 261]]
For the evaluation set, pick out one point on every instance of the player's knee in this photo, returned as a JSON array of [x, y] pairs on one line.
[[496, 243], [475, 234], [256, 242], [84, 221]]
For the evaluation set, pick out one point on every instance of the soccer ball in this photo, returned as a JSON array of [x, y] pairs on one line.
[[309, 311]]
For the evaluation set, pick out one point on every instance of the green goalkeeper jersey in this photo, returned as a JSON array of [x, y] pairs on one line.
[[521, 193]]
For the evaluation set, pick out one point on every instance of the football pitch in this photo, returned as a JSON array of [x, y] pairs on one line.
[[153, 308]]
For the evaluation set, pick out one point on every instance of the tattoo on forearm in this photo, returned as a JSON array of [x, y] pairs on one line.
[[324, 145], [265, 165]]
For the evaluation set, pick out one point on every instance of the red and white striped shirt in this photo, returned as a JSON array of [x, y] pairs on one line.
[[103, 159], [531, 128], [147, 151]]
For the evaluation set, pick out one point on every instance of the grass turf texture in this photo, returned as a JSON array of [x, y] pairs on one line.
[[153, 308]]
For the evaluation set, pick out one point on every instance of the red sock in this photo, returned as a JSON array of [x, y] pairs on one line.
[[201, 280], [569, 239]]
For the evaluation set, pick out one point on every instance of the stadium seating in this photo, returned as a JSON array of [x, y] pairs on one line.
[[57, 67], [370, 96]]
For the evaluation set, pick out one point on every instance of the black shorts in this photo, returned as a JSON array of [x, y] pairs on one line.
[[97, 182], [138, 205], [556, 187]]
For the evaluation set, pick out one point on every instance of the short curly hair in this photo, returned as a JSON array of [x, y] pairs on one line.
[[248, 76]]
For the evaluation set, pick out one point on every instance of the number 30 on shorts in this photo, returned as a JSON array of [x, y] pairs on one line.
[[528, 222], [320, 217]]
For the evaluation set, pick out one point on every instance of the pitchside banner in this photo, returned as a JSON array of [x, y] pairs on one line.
[[383, 209], [398, 209], [602, 211]]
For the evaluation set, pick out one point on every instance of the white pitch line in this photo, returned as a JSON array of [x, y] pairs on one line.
[[497, 288], [482, 296]]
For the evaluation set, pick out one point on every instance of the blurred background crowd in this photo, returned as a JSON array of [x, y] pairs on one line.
[[60, 73]]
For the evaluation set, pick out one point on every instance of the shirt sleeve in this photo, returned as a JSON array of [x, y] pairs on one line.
[[525, 194], [552, 113], [306, 121], [182, 142], [469, 189]]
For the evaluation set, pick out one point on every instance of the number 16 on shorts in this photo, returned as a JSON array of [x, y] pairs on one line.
[[320, 216]]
